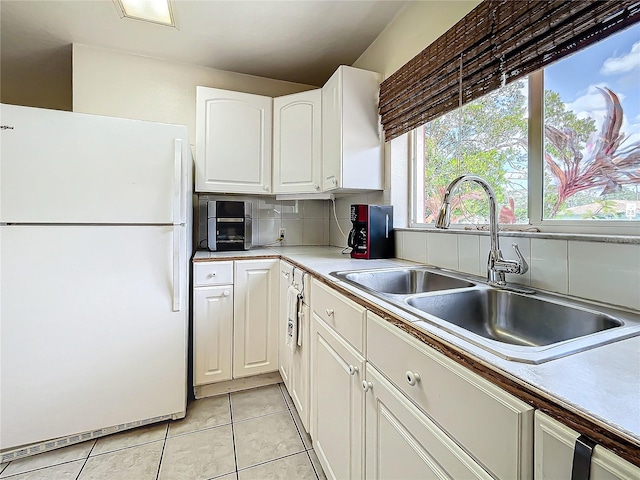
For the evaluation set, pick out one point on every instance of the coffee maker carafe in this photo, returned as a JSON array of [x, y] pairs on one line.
[[371, 235]]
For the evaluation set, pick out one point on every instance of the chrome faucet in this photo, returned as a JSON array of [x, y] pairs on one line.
[[497, 266]]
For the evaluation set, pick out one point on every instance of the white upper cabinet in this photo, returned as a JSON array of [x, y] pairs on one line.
[[297, 142], [351, 134], [233, 142]]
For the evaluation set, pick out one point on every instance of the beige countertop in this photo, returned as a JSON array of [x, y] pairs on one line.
[[601, 384]]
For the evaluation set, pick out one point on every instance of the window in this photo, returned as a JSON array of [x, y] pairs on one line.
[[588, 167]]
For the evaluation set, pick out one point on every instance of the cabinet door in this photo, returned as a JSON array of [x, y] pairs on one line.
[[284, 352], [212, 333], [332, 132], [337, 405], [233, 141], [402, 442], [299, 390], [500, 438], [554, 446], [255, 308], [352, 141], [297, 148]]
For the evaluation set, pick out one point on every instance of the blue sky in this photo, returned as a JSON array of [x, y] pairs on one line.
[[613, 62]]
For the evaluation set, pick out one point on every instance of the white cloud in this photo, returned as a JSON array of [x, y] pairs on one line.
[[624, 64]]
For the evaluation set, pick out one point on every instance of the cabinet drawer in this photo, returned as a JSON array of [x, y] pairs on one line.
[[493, 426], [212, 273], [343, 315]]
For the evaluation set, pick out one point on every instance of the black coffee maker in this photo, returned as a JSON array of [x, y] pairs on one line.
[[371, 235]]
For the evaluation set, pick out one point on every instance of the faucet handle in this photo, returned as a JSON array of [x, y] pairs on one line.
[[523, 265]]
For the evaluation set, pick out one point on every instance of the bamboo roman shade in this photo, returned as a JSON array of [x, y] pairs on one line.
[[496, 43]]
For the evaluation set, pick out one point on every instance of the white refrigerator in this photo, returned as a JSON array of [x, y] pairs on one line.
[[95, 221]]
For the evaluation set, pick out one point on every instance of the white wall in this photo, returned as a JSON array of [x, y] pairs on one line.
[[413, 29], [119, 84]]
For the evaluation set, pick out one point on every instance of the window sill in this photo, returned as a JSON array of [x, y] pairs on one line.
[[579, 237]]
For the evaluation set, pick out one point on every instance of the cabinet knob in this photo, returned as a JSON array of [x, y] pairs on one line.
[[353, 369], [266, 189], [329, 312], [366, 386], [213, 274], [316, 186], [226, 293], [285, 274], [412, 378]]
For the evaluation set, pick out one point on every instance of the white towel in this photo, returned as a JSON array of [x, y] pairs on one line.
[[293, 295], [301, 319]]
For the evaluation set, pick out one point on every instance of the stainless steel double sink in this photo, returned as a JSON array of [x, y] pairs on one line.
[[530, 328]]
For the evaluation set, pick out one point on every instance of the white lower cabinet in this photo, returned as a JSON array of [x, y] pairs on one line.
[[212, 334], [235, 315], [337, 403], [294, 361], [495, 428], [403, 443], [284, 357], [255, 317], [554, 449]]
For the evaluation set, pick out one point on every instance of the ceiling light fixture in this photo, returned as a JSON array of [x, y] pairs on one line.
[[154, 11]]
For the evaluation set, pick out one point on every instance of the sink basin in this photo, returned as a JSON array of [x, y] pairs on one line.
[[525, 328], [513, 318], [403, 281]]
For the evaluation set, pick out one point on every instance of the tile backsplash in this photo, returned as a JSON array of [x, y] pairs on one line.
[[600, 271], [306, 221]]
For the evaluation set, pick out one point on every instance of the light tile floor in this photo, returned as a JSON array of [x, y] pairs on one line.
[[250, 435]]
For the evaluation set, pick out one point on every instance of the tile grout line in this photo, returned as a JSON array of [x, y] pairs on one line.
[[47, 466], [294, 420], [312, 465], [197, 430], [282, 390], [164, 444], [87, 459], [270, 414], [273, 460], [233, 436], [306, 450]]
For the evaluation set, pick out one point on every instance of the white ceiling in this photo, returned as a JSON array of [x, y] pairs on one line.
[[299, 41]]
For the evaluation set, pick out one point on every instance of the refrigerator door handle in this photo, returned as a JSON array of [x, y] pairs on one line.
[[177, 182], [178, 267]]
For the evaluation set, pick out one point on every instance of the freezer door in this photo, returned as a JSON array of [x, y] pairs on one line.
[[90, 338], [63, 167]]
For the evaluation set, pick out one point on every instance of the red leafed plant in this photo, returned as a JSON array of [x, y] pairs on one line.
[[607, 164]]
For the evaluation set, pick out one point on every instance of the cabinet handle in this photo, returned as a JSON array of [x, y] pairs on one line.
[[412, 378], [329, 312], [366, 386], [226, 293], [353, 369]]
